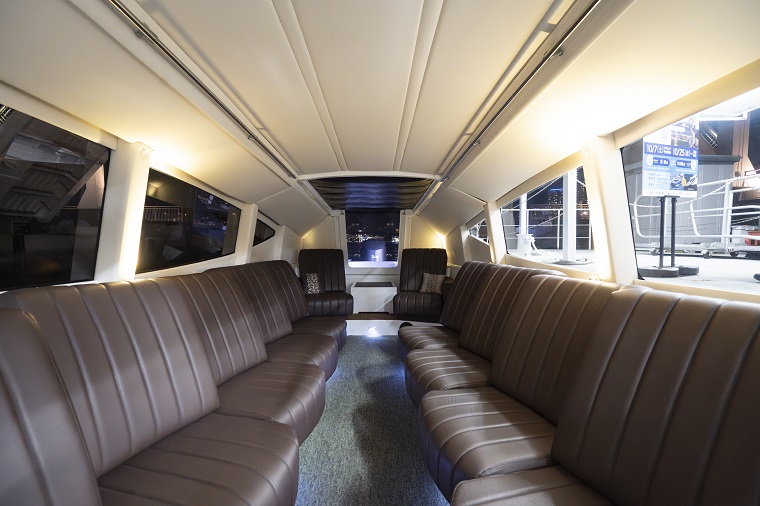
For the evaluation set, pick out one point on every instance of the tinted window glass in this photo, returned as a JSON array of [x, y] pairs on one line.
[[183, 224], [372, 238], [536, 224], [51, 196], [262, 233]]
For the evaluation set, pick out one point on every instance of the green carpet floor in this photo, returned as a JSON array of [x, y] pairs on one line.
[[364, 450]]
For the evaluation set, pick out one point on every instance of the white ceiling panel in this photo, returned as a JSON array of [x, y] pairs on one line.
[[243, 47], [65, 60], [293, 208], [615, 82], [362, 53], [474, 44], [449, 209]]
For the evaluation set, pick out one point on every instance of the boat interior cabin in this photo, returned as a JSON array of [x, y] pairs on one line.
[[372, 252]]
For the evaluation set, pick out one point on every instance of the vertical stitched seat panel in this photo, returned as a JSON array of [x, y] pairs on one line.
[[665, 408], [131, 358], [463, 291]]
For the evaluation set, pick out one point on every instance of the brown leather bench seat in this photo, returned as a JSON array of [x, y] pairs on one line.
[[133, 366], [469, 365], [454, 313], [249, 383], [663, 410], [509, 425]]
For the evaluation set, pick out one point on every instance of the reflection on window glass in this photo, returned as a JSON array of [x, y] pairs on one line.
[[262, 233], [51, 196], [551, 223], [372, 238], [183, 224], [709, 164], [480, 231]]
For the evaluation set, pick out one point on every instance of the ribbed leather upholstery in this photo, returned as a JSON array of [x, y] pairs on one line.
[[488, 322], [665, 408], [414, 338], [334, 326], [131, 359], [547, 486], [233, 336], [265, 296], [320, 350], [328, 263], [289, 393], [463, 291], [293, 394], [455, 310], [330, 303], [414, 263], [470, 433], [216, 460], [290, 289], [443, 369], [133, 364], [43, 458]]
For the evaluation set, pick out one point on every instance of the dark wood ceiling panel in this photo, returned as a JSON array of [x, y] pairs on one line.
[[371, 193]]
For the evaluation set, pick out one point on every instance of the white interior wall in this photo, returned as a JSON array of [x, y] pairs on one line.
[[477, 250], [324, 235], [289, 247], [455, 246], [421, 235]]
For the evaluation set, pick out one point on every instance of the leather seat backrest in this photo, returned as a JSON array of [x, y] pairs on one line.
[[328, 263], [131, 358], [462, 292], [43, 458], [491, 306], [417, 261], [265, 297], [290, 293], [545, 338], [232, 332], [665, 408]]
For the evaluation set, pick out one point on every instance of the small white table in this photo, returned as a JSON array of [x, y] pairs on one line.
[[373, 297]]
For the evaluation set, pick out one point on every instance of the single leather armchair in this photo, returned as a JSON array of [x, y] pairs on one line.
[[422, 282], [323, 276]]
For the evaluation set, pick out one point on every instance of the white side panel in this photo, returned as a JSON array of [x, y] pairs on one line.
[[477, 250], [323, 235], [422, 236], [291, 245], [450, 208], [455, 247], [294, 209]]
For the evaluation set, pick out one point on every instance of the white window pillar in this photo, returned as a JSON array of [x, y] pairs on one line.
[[248, 215], [610, 217], [495, 233], [123, 212], [569, 214]]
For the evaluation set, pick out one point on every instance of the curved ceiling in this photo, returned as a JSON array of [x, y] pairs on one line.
[[367, 87]]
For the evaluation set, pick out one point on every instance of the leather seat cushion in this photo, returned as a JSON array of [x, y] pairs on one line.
[[289, 393], [415, 338], [443, 369], [330, 303], [306, 349], [417, 304], [550, 485], [215, 460], [334, 326], [466, 434]]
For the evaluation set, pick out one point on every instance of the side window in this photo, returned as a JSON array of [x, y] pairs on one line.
[[372, 238], [550, 224], [52, 184], [480, 231], [696, 184], [262, 233], [183, 224]]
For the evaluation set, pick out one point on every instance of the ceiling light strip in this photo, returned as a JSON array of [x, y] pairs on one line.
[[146, 33], [554, 52]]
